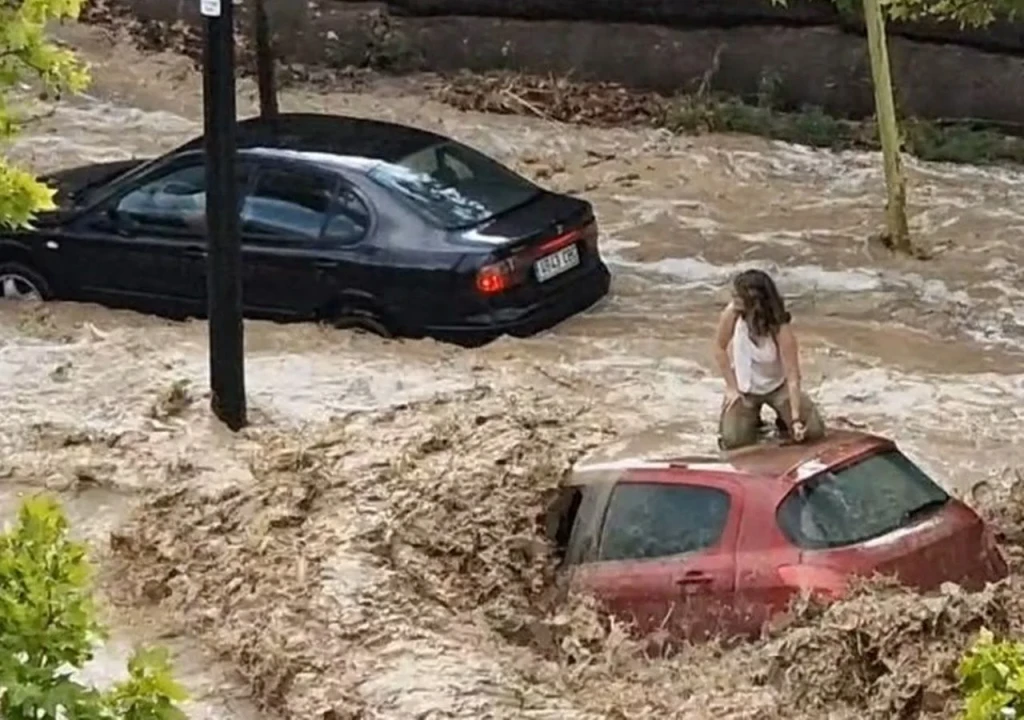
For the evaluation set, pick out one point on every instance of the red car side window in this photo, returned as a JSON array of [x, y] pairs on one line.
[[652, 520], [873, 497]]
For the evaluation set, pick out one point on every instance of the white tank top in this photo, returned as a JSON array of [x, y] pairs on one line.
[[757, 365]]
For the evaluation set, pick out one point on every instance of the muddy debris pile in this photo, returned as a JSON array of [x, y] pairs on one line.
[[120, 19], [443, 499], [1002, 505], [885, 652], [418, 531], [149, 35], [554, 98]]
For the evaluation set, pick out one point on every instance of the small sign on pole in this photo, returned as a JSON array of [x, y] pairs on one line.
[[210, 8]]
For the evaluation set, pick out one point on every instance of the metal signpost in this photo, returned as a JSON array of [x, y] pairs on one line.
[[224, 250]]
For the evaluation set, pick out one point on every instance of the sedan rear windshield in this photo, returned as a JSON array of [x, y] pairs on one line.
[[455, 186], [648, 520], [873, 497]]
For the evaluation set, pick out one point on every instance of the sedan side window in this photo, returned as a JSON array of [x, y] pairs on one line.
[[175, 201], [288, 205], [650, 520], [349, 220]]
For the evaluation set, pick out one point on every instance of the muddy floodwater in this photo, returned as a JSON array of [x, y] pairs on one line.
[[100, 404]]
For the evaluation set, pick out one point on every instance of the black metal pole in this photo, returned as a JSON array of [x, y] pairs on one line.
[[265, 63], [224, 250]]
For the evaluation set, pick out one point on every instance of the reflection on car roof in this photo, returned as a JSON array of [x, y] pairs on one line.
[[794, 461], [331, 134]]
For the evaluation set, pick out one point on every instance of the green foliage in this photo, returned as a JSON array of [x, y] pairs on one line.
[[976, 13], [992, 678], [27, 57], [48, 629], [763, 116]]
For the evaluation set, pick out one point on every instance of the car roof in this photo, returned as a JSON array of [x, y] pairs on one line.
[[788, 463], [329, 139]]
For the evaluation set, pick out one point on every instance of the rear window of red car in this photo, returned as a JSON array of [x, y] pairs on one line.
[[650, 520], [873, 497]]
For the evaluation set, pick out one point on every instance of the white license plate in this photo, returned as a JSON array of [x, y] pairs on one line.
[[556, 263]]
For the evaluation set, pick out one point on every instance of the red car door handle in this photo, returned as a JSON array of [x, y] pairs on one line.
[[694, 579]]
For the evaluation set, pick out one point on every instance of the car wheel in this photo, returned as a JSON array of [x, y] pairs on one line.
[[20, 282], [349, 318]]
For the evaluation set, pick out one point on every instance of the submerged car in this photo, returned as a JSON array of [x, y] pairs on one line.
[[349, 221], [700, 546]]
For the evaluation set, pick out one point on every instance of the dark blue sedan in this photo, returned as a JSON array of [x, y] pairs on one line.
[[353, 222]]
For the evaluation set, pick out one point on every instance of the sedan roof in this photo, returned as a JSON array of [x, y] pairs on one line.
[[791, 463], [325, 135]]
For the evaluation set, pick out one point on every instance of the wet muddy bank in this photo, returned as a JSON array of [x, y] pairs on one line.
[[817, 66]]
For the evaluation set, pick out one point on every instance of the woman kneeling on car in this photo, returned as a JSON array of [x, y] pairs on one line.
[[756, 350]]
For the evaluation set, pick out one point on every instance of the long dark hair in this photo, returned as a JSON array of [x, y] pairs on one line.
[[761, 305]]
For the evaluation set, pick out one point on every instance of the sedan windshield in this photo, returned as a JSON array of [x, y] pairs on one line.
[[455, 186], [873, 497]]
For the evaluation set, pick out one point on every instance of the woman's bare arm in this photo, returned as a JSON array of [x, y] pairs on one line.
[[789, 351], [723, 336]]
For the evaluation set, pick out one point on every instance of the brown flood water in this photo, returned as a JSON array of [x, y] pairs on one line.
[[928, 352]]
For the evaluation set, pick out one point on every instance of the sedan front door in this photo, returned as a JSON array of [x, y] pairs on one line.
[[145, 246]]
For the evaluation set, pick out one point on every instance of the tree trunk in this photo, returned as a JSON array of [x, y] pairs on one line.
[[888, 128], [265, 63]]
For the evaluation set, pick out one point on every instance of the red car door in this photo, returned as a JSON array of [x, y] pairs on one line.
[[761, 551], [666, 554]]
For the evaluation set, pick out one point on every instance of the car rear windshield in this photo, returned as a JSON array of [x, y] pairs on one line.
[[873, 497], [648, 520], [455, 186]]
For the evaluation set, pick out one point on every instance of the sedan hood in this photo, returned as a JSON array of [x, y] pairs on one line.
[[73, 185]]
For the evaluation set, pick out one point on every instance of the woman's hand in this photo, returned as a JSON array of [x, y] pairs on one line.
[[732, 396], [799, 431]]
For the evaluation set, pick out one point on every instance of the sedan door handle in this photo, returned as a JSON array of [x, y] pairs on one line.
[[326, 265], [195, 251]]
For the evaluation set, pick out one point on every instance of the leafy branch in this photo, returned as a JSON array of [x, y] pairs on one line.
[[48, 629], [27, 57]]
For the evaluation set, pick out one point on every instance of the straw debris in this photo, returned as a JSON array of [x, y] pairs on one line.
[[554, 98], [448, 510], [885, 650]]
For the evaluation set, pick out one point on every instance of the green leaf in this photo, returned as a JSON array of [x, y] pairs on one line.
[[991, 677]]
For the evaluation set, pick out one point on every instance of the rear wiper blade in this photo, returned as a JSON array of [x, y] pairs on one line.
[[924, 509]]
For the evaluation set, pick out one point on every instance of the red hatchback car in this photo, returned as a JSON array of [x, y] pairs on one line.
[[706, 546]]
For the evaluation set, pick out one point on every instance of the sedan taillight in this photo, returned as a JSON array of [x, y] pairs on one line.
[[498, 277]]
